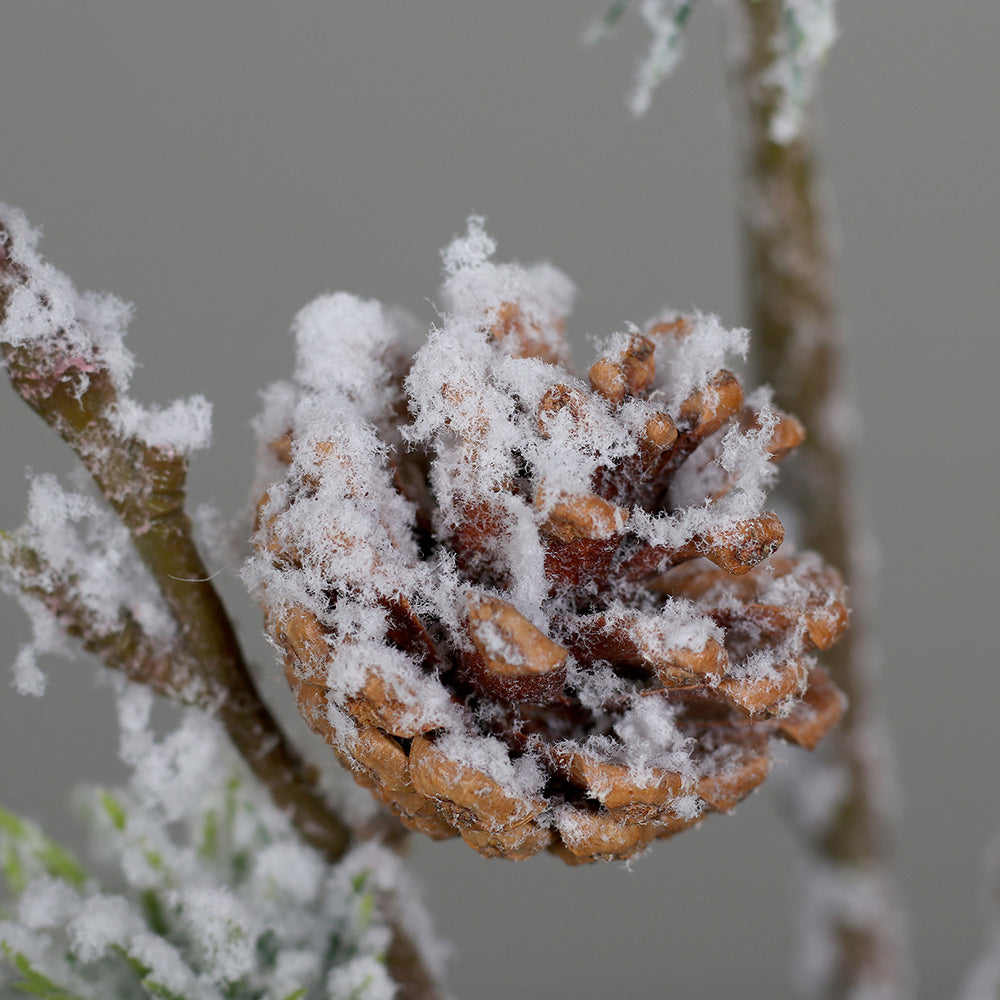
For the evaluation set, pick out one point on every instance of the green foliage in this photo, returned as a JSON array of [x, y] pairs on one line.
[[60, 863], [143, 973], [13, 869], [160, 991], [113, 808], [209, 846], [359, 992], [36, 983], [603, 26], [202, 887], [153, 911], [24, 847], [12, 825]]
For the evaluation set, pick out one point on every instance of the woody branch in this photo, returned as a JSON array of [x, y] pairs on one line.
[[144, 483]]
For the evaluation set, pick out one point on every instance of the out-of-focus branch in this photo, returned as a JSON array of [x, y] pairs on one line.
[[144, 484], [797, 330]]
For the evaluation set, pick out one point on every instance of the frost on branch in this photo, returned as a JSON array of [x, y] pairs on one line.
[[73, 564], [73, 337], [73, 568], [524, 607], [198, 888], [665, 20]]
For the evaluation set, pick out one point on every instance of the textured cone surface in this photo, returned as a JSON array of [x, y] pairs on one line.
[[532, 610]]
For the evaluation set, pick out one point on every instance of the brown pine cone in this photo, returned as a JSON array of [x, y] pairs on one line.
[[527, 609]]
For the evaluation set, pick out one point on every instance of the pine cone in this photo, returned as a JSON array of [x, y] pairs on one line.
[[530, 610]]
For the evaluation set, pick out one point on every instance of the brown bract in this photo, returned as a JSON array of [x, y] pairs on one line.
[[511, 660]]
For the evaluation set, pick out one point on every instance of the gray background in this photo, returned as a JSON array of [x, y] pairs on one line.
[[220, 163]]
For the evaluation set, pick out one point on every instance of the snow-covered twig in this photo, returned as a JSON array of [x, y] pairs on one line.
[[666, 21], [76, 380], [65, 357], [166, 668]]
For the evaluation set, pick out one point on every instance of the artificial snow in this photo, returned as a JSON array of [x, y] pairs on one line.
[[808, 31], [84, 334], [80, 547], [665, 20], [44, 306], [185, 425]]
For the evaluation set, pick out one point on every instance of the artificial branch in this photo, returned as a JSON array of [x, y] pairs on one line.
[[145, 485], [793, 313]]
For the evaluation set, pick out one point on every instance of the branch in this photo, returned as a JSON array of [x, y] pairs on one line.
[[75, 391], [144, 485], [169, 671], [789, 276]]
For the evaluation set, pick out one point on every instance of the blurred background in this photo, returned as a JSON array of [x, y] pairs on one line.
[[220, 163]]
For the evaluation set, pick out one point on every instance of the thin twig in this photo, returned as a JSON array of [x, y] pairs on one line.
[[793, 315], [166, 669]]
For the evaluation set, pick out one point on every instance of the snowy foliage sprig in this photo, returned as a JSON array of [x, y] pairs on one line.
[[198, 888], [804, 34], [807, 33]]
